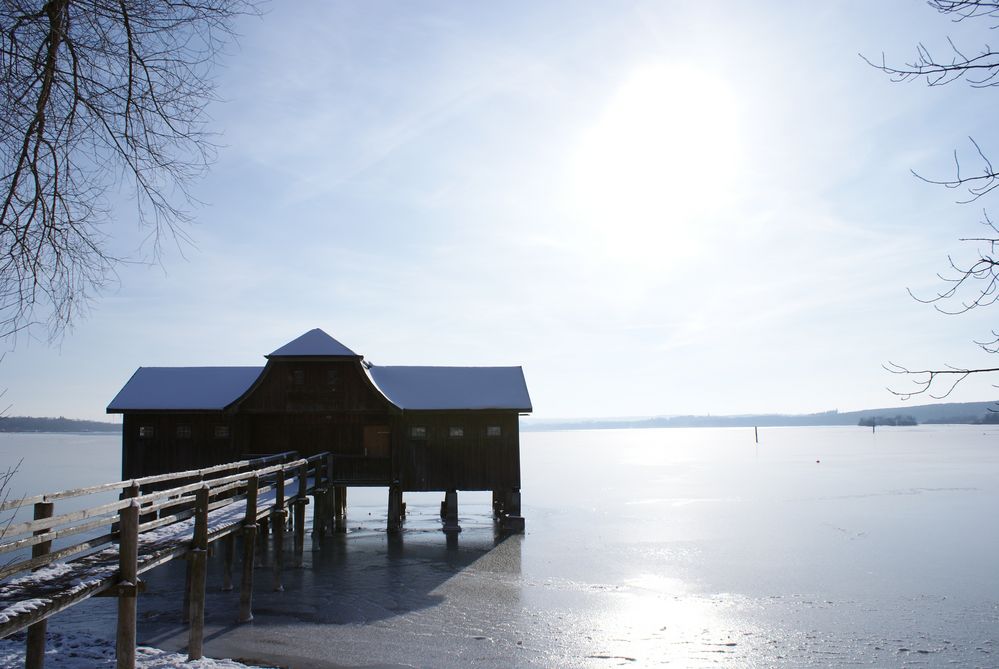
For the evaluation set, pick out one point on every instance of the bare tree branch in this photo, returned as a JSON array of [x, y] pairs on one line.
[[94, 93], [967, 285]]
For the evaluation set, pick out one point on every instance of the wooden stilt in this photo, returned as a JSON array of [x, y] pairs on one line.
[[34, 652], [451, 511], [394, 523], [228, 551], [512, 520], [199, 574], [340, 512], [128, 580], [249, 544], [299, 512], [301, 500], [278, 515], [263, 531]]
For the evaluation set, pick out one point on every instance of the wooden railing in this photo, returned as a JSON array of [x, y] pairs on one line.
[[157, 519]]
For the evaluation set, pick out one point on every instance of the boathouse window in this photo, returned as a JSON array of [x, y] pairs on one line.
[[494, 431], [183, 431], [298, 377], [456, 431], [418, 432], [221, 431], [331, 378], [146, 432]]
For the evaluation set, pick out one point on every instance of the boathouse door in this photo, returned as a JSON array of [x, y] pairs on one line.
[[377, 441]]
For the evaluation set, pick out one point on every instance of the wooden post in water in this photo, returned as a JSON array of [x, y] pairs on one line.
[[249, 543], [228, 552], [34, 651], [330, 494], [128, 585], [756, 433], [394, 508], [300, 501], [451, 511], [199, 573], [278, 515], [340, 508], [319, 504]]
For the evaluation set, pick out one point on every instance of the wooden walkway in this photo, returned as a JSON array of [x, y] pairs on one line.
[[158, 519]]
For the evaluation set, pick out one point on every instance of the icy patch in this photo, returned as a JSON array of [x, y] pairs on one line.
[[82, 651]]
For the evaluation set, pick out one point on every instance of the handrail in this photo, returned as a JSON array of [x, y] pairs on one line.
[[146, 480], [34, 532], [143, 531]]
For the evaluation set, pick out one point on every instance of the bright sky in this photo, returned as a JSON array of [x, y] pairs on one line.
[[654, 207]]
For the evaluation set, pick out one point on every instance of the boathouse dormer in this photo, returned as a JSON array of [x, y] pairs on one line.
[[411, 428]]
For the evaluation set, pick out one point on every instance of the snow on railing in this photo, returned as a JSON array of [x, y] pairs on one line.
[[149, 525]]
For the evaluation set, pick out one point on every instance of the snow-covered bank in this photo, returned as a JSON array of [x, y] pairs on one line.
[[81, 651]]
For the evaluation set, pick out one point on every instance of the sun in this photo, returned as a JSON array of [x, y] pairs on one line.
[[661, 157]]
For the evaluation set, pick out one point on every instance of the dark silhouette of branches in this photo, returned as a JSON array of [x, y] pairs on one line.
[[967, 285], [95, 94]]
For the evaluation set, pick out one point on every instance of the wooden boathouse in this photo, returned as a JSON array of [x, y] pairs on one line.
[[403, 427]]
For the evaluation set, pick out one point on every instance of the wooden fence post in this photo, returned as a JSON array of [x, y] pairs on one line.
[[228, 551], [330, 511], [128, 585], [34, 651], [199, 572], [318, 506], [249, 543], [340, 508], [301, 500], [278, 516]]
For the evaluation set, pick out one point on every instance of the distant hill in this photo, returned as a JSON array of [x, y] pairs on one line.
[[949, 413], [30, 424]]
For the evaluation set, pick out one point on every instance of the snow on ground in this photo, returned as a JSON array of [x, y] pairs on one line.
[[81, 651]]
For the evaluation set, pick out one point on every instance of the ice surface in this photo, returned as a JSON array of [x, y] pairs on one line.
[[83, 651], [644, 548]]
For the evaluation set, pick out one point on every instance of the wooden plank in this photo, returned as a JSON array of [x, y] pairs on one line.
[[35, 563]]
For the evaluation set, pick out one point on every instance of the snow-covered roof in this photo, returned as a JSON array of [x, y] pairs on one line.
[[314, 343], [184, 388], [450, 388]]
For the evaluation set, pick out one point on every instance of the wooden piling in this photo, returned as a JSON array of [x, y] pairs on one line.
[[301, 500], [34, 652], [199, 573], [394, 508], [278, 515], [340, 508], [249, 544], [451, 511], [228, 553], [128, 582]]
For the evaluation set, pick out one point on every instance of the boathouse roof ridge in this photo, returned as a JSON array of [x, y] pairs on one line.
[[313, 344], [452, 388], [183, 388]]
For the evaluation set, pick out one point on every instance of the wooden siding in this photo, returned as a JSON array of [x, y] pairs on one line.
[[164, 451], [473, 461]]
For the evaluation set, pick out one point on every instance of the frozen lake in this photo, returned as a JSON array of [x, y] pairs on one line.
[[681, 547]]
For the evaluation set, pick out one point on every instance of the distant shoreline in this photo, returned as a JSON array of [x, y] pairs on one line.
[[30, 424], [953, 413]]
